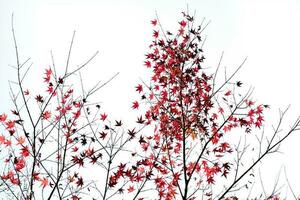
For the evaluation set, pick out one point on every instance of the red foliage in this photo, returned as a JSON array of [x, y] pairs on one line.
[[185, 155], [191, 116]]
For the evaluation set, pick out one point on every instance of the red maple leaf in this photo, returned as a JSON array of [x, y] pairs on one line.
[[36, 176], [19, 164], [148, 64], [182, 23], [249, 102], [47, 79], [210, 180], [79, 182], [75, 149], [25, 151], [77, 114], [44, 182], [155, 34], [7, 142], [130, 189], [221, 110], [259, 109], [14, 181], [26, 92], [154, 22], [103, 116], [181, 31], [139, 88], [228, 93], [10, 124], [135, 105], [2, 139], [3, 117], [50, 90], [46, 115], [48, 72]]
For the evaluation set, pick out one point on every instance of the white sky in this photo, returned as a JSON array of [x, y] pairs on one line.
[[266, 31]]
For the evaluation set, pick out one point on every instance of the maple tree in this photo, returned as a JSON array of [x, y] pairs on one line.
[[181, 148], [189, 153], [51, 137]]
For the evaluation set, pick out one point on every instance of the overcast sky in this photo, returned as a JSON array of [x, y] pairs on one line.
[[265, 31]]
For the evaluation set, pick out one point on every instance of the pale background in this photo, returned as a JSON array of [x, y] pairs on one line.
[[266, 31]]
